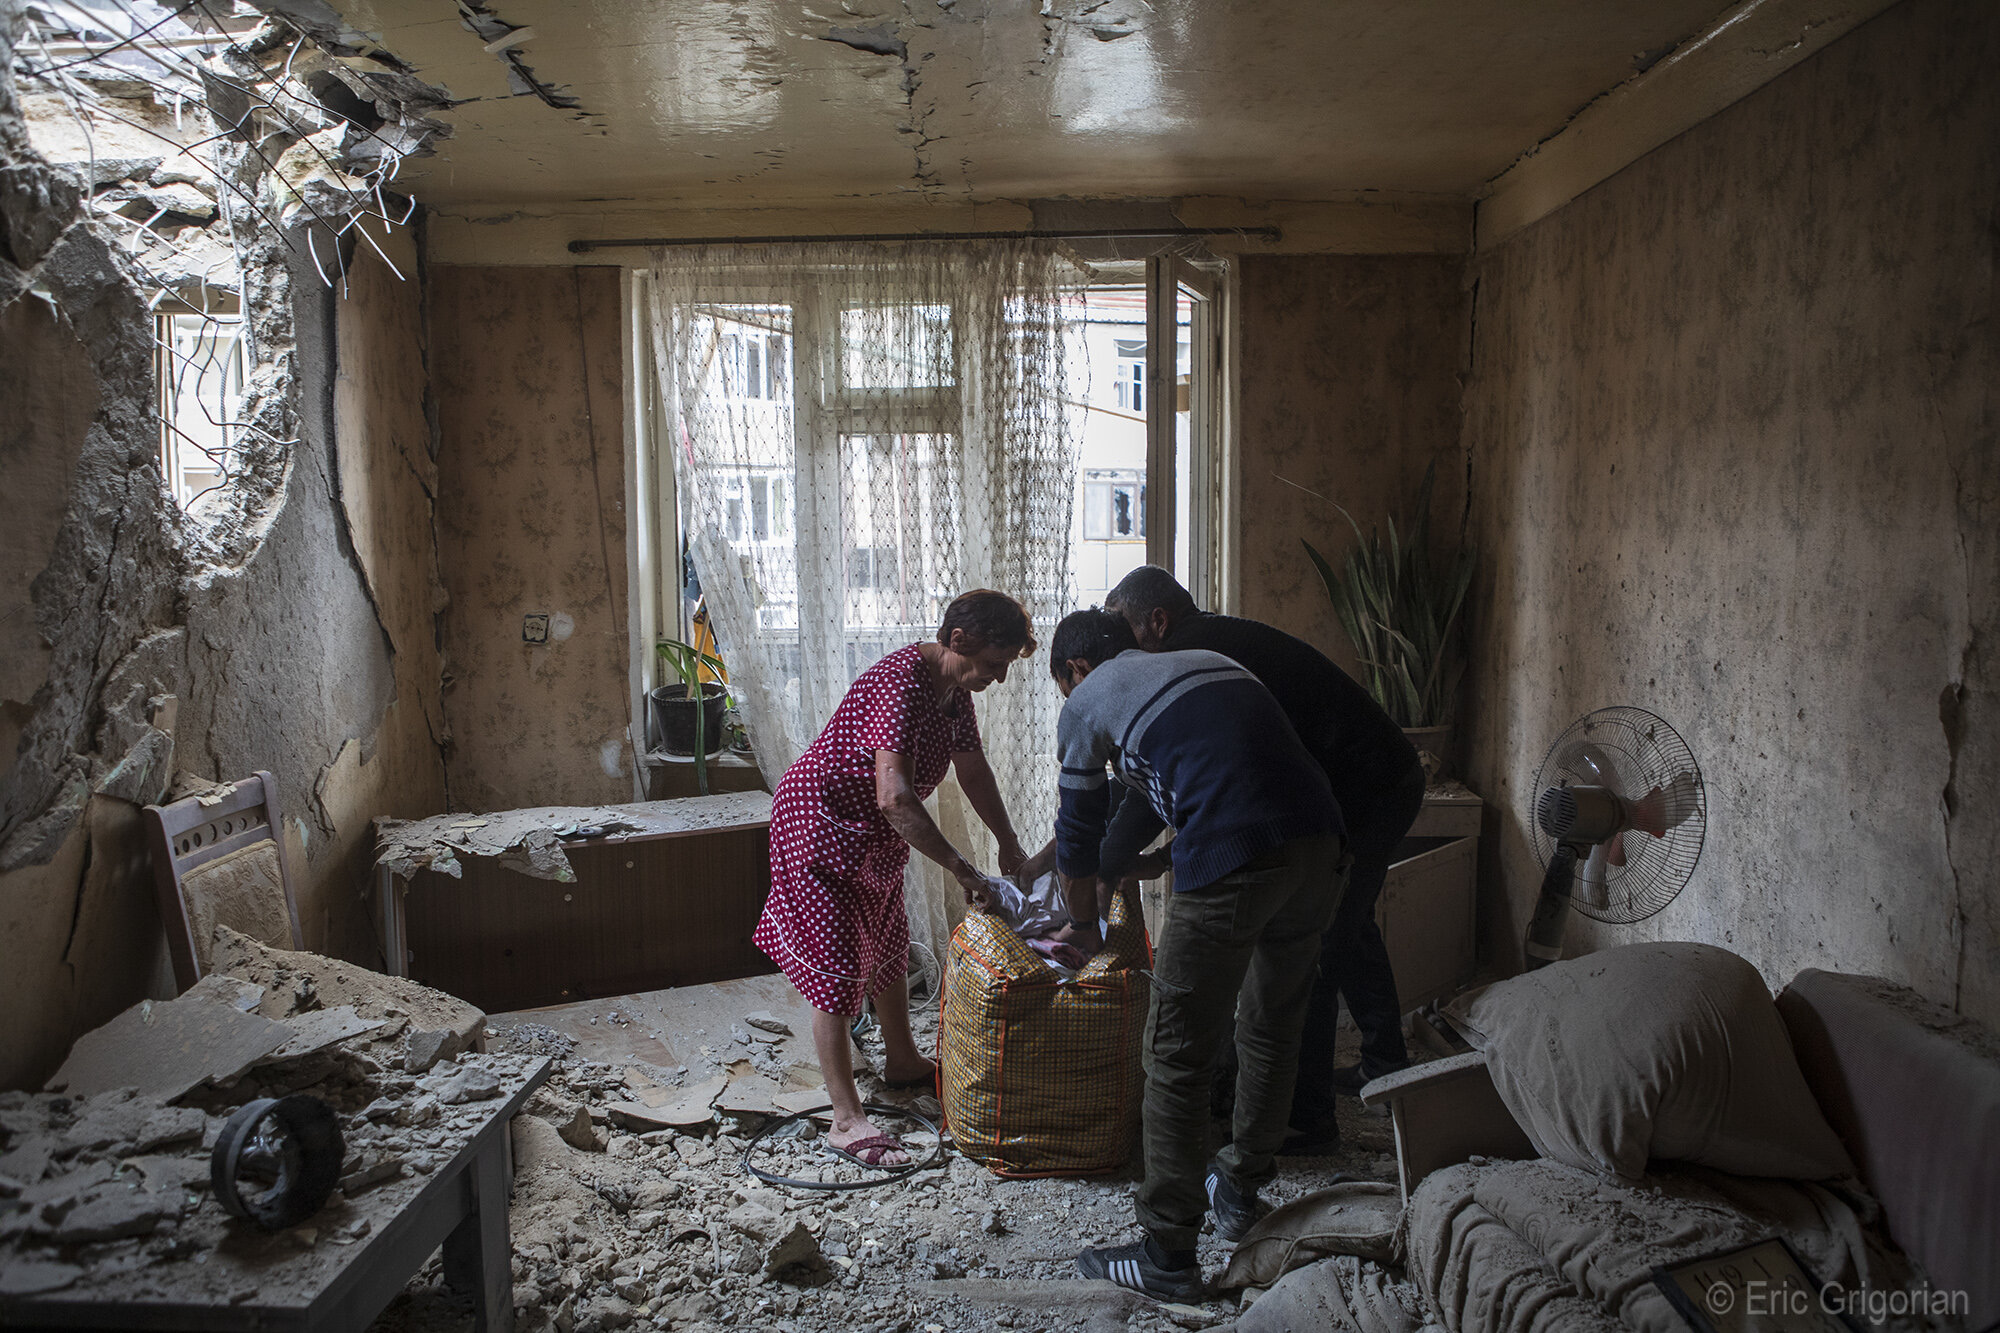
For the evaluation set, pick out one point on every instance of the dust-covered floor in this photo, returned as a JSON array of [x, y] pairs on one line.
[[665, 1229]]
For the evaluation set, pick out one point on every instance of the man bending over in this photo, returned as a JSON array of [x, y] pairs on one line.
[[1259, 861], [1375, 776]]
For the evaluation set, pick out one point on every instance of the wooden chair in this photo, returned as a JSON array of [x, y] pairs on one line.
[[222, 863]]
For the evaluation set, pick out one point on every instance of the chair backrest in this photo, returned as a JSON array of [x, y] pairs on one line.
[[221, 862], [1913, 1090]]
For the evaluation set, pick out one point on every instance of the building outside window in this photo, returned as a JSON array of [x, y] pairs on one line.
[[1131, 378], [200, 361]]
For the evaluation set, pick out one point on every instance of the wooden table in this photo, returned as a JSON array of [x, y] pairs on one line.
[[461, 1205]]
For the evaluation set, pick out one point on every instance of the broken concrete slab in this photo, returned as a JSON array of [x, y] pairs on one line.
[[169, 1125], [165, 1174], [765, 1021], [167, 1047], [641, 1118], [425, 1049], [694, 1106], [801, 1100], [28, 1277], [331, 983], [369, 1175], [29, 1161], [466, 1085], [319, 1029], [579, 1132], [748, 1094], [232, 991], [116, 1213]]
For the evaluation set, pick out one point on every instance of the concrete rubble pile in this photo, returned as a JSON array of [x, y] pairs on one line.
[[105, 1174], [633, 1209]]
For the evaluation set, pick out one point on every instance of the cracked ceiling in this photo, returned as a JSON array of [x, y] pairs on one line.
[[768, 102]]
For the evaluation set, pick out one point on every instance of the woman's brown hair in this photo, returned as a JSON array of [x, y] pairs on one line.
[[990, 619]]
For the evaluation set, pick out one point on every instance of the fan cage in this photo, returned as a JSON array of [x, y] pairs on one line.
[[1645, 752]]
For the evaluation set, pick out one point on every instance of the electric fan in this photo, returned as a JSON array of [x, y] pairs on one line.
[[1621, 794]]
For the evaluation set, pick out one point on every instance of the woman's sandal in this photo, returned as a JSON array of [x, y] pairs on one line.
[[870, 1151]]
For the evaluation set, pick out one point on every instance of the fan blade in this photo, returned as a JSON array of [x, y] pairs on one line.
[[1679, 800], [1590, 762], [1545, 931], [1591, 886]]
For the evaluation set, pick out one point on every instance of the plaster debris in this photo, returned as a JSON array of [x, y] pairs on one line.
[[530, 840], [764, 1021], [427, 1048], [469, 1084], [168, 1047]]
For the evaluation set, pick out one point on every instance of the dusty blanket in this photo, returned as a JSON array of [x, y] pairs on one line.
[[1530, 1247]]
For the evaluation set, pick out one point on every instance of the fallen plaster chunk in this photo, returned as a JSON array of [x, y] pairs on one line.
[[28, 1162], [467, 1085], [170, 1125], [578, 1132], [27, 1277], [165, 1048], [319, 1029], [117, 1213], [800, 1100], [369, 1175], [427, 1048], [765, 1021], [295, 981]]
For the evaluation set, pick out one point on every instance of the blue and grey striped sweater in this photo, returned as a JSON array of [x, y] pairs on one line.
[[1207, 746]]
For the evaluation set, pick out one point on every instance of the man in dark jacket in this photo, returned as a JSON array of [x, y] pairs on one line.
[[1379, 783], [1259, 862]]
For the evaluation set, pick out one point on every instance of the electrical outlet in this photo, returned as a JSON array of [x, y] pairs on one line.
[[535, 627]]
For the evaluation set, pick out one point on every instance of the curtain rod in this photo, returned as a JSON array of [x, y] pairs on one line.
[[1100, 234]]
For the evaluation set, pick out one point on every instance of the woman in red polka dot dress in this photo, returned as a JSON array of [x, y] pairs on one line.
[[843, 821]]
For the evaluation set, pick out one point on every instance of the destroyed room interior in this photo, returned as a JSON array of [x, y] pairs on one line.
[[922, 665]]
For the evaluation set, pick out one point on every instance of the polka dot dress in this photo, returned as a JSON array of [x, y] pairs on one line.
[[834, 921]]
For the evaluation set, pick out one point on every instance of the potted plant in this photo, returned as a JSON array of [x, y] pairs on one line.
[[685, 728], [1400, 606]]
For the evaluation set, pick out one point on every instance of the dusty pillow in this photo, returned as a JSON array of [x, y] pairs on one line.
[[1673, 1051]]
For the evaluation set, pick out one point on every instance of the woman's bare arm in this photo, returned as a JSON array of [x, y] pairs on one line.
[[975, 778], [896, 798]]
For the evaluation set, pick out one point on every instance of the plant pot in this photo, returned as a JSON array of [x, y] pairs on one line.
[[1433, 748], [673, 718]]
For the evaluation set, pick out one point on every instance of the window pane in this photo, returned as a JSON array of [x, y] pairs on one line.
[[896, 347], [760, 509]]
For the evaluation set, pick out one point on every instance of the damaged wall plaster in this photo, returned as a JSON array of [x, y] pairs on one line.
[[530, 456], [1348, 388], [1731, 432], [258, 649]]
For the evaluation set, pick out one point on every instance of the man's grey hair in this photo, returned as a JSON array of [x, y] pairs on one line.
[[1146, 589]]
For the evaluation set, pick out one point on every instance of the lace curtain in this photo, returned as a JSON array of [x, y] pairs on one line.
[[861, 432]]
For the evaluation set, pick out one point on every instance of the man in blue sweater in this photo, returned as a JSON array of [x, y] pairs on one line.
[[1259, 860]]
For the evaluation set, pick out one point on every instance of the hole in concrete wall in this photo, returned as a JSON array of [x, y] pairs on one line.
[[217, 147]]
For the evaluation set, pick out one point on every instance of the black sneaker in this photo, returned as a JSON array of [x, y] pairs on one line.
[[1235, 1212], [1134, 1268]]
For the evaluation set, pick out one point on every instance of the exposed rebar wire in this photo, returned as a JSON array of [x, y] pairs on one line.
[[208, 356]]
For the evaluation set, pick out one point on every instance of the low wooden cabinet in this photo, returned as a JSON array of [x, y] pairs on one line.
[[1427, 909]]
